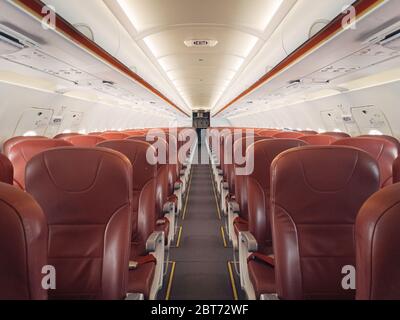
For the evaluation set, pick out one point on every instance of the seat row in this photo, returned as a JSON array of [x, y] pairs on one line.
[[291, 204], [102, 216]]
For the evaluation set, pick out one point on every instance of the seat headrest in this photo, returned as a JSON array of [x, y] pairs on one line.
[[383, 151], [66, 135], [319, 140], [85, 141], [25, 150], [114, 135], [378, 239], [8, 144], [23, 246], [264, 152], [339, 135], [142, 159], [288, 135]]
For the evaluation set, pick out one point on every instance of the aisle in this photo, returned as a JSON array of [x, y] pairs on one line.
[[200, 262]]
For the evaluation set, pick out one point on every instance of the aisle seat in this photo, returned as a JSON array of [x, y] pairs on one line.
[[258, 204], [313, 221], [147, 276], [86, 196]]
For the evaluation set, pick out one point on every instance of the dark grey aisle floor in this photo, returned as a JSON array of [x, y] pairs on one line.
[[200, 263]]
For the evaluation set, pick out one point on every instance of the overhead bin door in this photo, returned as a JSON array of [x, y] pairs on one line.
[[371, 120], [33, 121]]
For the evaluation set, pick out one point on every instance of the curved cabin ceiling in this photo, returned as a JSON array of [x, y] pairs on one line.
[[200, 74]]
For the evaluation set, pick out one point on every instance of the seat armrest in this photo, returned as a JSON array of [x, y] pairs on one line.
[[234, 207], [249, 241], [168, 207], [225, 185], [220, 172], [177, 186], [134, 296], [154, 239], [269, 297], [247, 245]]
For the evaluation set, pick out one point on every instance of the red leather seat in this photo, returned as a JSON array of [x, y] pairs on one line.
[[6, 170], [143, 221], [268, 133], [257, 187], [162, 186], [319, 140], [384, 137], [25, 150], [308, 132], [114, 135], [85, 141], [23, 246], [384, 151], [314, 205], [86, 195], [378, 241], [339, 135], [288, 135], [8, 144], [66, 135], [238, 217], [259, 193], [396, 170]]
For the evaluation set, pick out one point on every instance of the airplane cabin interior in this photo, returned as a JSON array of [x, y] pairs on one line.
[[200, 150]]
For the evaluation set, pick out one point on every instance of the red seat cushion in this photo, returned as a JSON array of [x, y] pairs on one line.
[[240, 225], [262, 276], [141, 279]]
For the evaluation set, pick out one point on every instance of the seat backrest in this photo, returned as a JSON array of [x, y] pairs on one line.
[[308, 132], [396, 170], [267, 133], [230, 155], [66, 135], [23, 246], [377, 246], [258, 186], [383, 151], [162, 181], [85, 141], [114, 135], [86, 196], [288, 135], [314, 205], [25, 150], [6, 170], [240, 181], [8, 144], [385, 137], [319, 140], [144, 187], [339, 135]]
